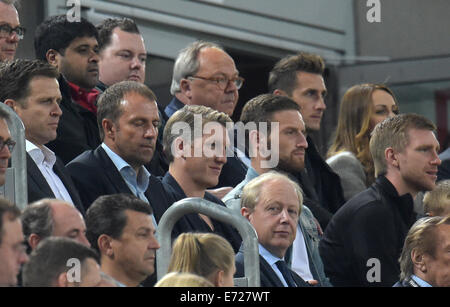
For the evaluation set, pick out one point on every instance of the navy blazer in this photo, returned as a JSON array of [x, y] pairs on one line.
[[192, 222], [38, 187], [268, 276], [94, 175]]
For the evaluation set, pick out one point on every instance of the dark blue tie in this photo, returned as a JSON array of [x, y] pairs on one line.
[[286, 273]]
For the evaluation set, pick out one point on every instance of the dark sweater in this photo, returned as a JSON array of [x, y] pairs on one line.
[[370, 227]]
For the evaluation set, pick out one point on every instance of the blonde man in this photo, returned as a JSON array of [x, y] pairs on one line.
[[437, 201], [361, 244], [195, 142], [425, 260], [272, 204]]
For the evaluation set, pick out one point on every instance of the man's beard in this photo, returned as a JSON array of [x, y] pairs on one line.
[[288, 167]]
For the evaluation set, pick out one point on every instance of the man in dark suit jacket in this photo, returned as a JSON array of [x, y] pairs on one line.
[[271, 203], [195, 165], [38, 187], [31, 89], [128, 115]]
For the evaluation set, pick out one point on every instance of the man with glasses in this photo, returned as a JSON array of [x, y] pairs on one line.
[[10, 30], [204, 74], [6, 145]]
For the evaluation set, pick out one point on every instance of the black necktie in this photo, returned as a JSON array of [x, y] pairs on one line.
[[286, 273]]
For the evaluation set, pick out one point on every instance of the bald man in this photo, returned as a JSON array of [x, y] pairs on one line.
[[52, 217]]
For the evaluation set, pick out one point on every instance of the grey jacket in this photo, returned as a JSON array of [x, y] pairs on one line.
[[306, 222], [351, 172]]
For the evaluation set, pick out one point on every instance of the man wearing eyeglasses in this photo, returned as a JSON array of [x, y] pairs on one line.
[[204, 74], [6, 145], [10, 30]]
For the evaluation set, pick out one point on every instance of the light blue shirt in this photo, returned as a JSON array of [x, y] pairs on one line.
[[420, 281], [138, 183], [272, 260]]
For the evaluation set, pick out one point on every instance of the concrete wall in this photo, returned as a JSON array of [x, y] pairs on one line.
[[408, 29]]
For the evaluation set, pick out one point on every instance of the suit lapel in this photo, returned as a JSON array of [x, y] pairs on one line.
[[268, 274], [35, 177], [60, 171], [115, 178]]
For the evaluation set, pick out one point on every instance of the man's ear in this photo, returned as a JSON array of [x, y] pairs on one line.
[[245, 212], [418, 261], [280, 92], [105, 246], [254, 139], [179, 148], [391, 157], [61, 280], [185, 88], [219, 278], [53, 57], [13, 104], [109, 129], [33, 240]]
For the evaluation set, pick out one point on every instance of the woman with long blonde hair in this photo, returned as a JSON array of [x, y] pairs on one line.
[[204, 254], [362, 107]]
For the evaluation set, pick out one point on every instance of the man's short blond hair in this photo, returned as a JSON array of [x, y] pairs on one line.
[[422, 237], [252, 190], [437, 201], [393, 133], [187, 115]]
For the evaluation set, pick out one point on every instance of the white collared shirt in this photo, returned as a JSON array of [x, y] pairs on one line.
[[45, 159], [300, 262]]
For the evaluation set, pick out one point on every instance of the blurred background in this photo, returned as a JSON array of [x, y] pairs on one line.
[[407, 46]]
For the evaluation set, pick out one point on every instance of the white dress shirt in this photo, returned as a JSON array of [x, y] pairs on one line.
[[300, 262], [45, 160]]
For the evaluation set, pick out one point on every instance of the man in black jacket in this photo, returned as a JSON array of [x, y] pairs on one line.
[[363, 241], [300, 78], [195, 139], [73, 49], [31, 89]]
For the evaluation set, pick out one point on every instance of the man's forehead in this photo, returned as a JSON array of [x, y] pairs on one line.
[[216, 60], [421, 138], [12, 229], [138, 220], [84, 40], [310, 80], [126, 39], [4, 130], [8, 15], [132, 101]]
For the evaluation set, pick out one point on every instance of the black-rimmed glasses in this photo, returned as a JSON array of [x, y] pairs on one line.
[[6, 31], [9, 143], [222, 82]]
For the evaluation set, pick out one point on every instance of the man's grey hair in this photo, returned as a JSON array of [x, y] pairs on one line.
[[37, 218], [187, 63], [11, 2]]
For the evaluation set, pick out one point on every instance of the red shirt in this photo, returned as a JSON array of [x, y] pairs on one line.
[[84, 98]]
